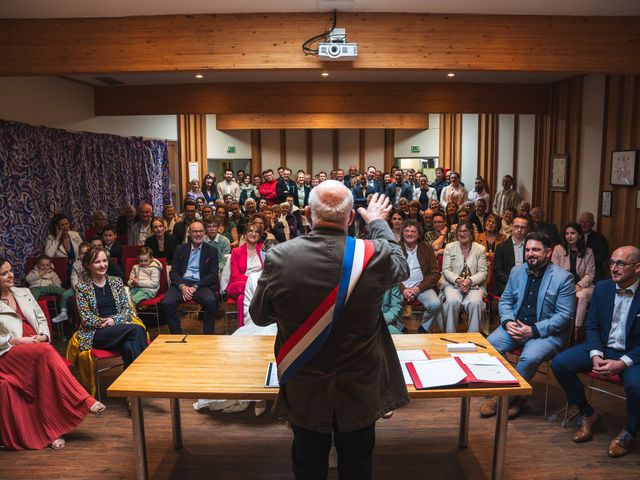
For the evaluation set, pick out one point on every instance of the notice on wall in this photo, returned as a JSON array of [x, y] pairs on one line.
[[194, 174]]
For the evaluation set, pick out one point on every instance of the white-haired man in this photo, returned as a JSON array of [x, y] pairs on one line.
[[339, 372]]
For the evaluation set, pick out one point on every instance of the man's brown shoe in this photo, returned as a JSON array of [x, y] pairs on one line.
[[515, 406], [584, 433], [489, 407], [620, 445]]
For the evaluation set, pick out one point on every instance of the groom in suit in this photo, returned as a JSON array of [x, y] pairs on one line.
[[612, 348], [536, 311]]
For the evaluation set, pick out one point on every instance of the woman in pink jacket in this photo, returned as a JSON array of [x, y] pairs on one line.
[[245, 259]]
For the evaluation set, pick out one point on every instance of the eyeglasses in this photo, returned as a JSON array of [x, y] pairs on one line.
[[620, 264]]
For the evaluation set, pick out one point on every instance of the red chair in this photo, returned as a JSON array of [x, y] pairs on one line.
[[129, 251], [122, 240], [60, 267], [151, 305], [97, 355], [45, 310]]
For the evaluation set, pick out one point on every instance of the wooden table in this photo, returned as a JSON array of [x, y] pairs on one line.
[[234, 367]]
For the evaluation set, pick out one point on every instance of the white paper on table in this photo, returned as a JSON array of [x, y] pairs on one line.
[[410, 356], [271, 380], [488, 369], [439, 373]]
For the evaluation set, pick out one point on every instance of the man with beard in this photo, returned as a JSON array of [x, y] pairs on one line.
[[536, 310]]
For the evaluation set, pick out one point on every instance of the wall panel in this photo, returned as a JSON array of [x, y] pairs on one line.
[[296, 150], [469, 150], [322, 151], [450, 141], [270, 143]]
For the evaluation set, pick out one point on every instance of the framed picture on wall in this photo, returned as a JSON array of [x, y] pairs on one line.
[[606, 204], [623, 167], [559, 173]]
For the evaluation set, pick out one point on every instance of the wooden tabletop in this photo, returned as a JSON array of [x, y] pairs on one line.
[[234, 367]]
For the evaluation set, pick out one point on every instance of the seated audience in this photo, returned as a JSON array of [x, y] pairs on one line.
[[237, 216], [464, 216], [194, 191], [62, 241], [144, 279], [41, 399], [524, 209], [612, 348], [250, 207], [181, 229], [454, 192], [126, 220], [507, 220], [113, 269], [423, 275], [414, 211], [219, 242], [427, 221], [479, 214], [575, 257], [194, 276], [396, 220], [595, 241], [464, 272], [77, 276], [539, 225], [209, 191], [451, 212], [274, 226], [435, 205], [140, 230], [100, 221], [207, 211], [541, 325], [227, 227], [441, 235], [491, 236], [109, 237], [200, 204], [510, 253], [162, 244], [169, 218], [244, 261], [106, 317], [403, 205], [263, 221], [392, 309], [288, 219]]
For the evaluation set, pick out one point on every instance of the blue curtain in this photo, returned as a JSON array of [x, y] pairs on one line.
[[46, 170]]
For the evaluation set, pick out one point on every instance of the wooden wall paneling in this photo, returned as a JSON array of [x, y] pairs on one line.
[[335, 141], [488, 150], [192, 141], [245, 121], [622, 132], [516, 140], [340, 97], [309, 168], [389, 153], [283, 148], [362, 144], [256, 152], [271, 41], [451, 141]]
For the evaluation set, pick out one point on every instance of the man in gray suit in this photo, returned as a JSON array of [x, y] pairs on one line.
[[355, 376]]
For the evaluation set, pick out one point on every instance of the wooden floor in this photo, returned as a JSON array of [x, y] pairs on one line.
[[418, 442]]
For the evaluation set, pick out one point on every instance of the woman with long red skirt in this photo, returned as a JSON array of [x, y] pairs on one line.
[[39, 398]]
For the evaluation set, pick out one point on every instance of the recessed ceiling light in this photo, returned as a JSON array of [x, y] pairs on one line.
[[199, 75], [325, 74], [451, 74]]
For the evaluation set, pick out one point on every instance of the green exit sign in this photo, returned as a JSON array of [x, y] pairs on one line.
[[231, 149], [415, 149]]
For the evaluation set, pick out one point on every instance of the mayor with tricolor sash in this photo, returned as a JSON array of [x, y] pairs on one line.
[[337, 365]]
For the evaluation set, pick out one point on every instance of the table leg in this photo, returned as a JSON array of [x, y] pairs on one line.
[[463, 434], [500, 440], [176, 423], [139, 444]]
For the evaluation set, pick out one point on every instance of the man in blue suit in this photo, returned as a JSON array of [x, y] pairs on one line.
[[398, 189], [194, 276], [612, 348], [536, 311]]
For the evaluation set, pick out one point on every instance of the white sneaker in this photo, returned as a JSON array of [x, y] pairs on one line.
[[62, 317]]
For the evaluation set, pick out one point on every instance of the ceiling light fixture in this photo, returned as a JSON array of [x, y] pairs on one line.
[[199, 76], [325, 74], [451, 74]]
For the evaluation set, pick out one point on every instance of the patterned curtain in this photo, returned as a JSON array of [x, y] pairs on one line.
[[45, 170]]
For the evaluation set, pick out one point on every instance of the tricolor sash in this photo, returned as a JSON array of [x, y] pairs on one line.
[[311, 335]]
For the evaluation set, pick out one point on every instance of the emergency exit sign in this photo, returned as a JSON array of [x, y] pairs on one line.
[[415, 149], [231, 149]]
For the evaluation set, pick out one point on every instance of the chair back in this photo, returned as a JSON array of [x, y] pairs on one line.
[[122, 240], [42, 303], [59, 266], [130, 251]]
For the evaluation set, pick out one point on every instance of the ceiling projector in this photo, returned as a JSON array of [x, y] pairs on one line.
[[337, 48]]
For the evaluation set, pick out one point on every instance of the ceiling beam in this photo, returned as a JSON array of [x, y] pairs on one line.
[[273, 41], [266, 121], [346, 97]]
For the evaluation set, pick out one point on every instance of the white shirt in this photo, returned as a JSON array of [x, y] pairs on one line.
[[518, 251], [144, 233], [473, 196], [618, 333], [415, 272]]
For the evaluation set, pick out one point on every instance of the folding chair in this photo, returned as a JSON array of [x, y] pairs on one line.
[[151, 305]]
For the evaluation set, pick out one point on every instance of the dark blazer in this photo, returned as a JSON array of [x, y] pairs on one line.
[[601, 314], [549, 229], [296, 202], [169, 247], [598, 244], [503, 261], [122, 228], [208, 266], [475, 219], [375, 186], [285, 188], [359, 198], [405, 192], [355, 377], [180, 231], [115, 252]]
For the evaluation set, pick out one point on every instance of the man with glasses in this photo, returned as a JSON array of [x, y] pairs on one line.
[[612, 348], [510, 253], [536, 310], [194, 276]]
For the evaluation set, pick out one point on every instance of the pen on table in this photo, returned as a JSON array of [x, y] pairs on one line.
[[182, 340], [453, 341]]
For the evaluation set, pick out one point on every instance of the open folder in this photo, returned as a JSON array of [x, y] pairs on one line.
[[458, 371]]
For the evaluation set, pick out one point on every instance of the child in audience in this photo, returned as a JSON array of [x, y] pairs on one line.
[[109, 240], [43, 280], [77, 272], [144, 278]]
